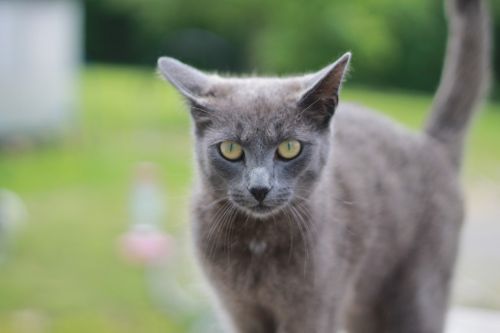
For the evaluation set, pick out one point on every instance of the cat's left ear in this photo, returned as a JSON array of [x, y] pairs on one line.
[[189, 81], [193, 84], [321, 95]]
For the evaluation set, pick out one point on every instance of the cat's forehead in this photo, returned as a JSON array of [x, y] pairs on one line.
[[254, 95], [256, 109]]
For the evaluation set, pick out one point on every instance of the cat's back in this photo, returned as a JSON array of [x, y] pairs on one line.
[[369, 144], [361, 130], [393, 176], [368, 138]]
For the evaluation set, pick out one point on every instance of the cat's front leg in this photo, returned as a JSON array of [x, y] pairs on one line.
[[303, 315], [307, 314], [245, 317], [316, 321]]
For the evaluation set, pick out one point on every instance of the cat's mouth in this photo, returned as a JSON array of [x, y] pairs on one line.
[[261, 207], [260, 210]]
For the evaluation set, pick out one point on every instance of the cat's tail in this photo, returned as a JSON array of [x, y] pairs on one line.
[[465, 77]]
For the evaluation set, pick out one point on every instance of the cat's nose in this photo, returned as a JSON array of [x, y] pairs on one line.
[[259, 192]]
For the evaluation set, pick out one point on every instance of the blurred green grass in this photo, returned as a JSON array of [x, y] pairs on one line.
[[65, 272]]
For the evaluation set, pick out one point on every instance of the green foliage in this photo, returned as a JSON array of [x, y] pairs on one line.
[[395, 43], [65, 275]]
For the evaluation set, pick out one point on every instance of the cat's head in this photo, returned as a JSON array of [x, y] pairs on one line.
[[260, 142]]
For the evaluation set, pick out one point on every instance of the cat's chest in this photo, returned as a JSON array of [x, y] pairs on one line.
[[257, 264], [257, 250], [253, 255], [257, 247]]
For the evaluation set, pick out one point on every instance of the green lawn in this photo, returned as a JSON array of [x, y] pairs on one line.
[[65, 275]]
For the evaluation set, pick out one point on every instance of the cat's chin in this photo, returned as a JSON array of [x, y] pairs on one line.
[[260, 211]]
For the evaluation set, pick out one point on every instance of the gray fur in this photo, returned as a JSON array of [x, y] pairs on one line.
[[466, 75], [360, 231]]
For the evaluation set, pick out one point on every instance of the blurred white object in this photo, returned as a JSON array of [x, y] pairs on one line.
[[40, 43], [466, 320], [146, 243], [147, 201], [12, 215], [469, 320], [12, 211]]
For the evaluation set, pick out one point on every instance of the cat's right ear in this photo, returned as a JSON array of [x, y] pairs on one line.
[[320, 99], [193, 84]]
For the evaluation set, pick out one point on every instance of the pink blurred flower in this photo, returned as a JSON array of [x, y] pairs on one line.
[[146, 245]]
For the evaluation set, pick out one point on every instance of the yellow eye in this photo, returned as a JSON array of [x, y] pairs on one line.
[[289, 149], [231, 150]]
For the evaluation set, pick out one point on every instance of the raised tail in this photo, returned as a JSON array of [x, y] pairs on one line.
[[465, 77]]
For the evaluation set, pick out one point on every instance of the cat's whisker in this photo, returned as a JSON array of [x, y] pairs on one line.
[[216, 226], [299, 116], [215, 202], [225, 227], [306, 214], [290, 232], [200, 109], [229, 229], [221, 218], [210, 231], [303, 232]]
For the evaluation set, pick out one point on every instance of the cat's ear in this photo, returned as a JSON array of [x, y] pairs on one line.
[[193, 84], [189, 81], [321, 95]]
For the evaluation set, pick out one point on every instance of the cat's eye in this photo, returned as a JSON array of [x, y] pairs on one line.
[[231, 150], [289, 149]]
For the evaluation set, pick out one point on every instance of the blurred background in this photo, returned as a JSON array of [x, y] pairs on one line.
[[81, 109]]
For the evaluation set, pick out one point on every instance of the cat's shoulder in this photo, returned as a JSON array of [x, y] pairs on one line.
[[355, 123]]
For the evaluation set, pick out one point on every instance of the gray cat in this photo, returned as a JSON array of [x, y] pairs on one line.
[[312, 216]]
